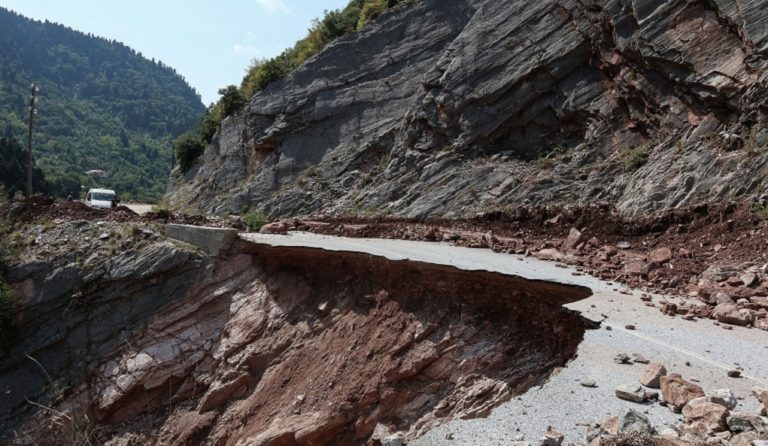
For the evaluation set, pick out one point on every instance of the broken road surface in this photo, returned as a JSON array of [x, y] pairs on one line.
[[699, 350]]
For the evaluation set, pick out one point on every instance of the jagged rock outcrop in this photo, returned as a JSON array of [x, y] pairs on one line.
[[449, 108]]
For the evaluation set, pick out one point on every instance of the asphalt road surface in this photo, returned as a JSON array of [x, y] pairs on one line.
[[698, 350]]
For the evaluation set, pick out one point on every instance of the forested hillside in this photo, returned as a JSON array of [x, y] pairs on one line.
[[101, 105]]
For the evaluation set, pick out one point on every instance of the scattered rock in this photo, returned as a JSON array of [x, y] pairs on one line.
[[729, 313], [660, 255], [651, 376], [702, 417], [623, 245], [551, 438], [621, 358], [749, 279], [743, 422], [762, 396], [677, 392], [551, 254], [723, 397], [635, 423], [629, 327], [588, 382], [640, 359], [631, 392], [734, 373], [573, 239]]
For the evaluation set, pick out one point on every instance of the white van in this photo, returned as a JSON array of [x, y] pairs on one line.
[[101, 198]]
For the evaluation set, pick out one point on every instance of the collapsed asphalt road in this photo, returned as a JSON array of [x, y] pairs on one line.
[[698, 349]]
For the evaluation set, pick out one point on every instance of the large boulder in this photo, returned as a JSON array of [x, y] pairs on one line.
[[702, 417], [677, 392]]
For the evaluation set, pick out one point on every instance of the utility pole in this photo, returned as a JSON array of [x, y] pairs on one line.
[[32, 112]]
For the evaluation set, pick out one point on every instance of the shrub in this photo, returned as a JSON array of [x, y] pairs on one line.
[[188, 148], [255, 220], [635, 158], [370, 11]]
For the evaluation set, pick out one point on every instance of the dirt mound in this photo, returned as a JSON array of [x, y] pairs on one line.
[[38, 209], [41, 208]]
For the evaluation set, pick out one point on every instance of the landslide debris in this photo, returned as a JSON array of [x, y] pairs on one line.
[[714, 257], [154, 343]]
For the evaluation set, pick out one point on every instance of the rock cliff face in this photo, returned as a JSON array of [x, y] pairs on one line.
[[269, 346], [446, 108]]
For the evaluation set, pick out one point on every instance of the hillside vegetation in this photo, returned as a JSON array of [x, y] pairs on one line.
[[262, 72], [101, 105]]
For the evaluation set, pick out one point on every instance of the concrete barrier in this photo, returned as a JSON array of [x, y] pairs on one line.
[[214, 241]]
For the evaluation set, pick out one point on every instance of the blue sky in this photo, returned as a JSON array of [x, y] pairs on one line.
[[211, 43]]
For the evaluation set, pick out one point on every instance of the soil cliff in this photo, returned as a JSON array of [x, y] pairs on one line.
[[450, 108]]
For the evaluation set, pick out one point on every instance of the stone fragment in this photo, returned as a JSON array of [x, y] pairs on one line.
[[621, 358], [551, 254], [623, 245], [749, 279], [573, 239], [651, 376], [635, 423], [677, 392], [743, 421], [630, 392], [762, 396], [220, 392], [551, 438], [729, 313], [723, 397], [640, 359], [702, 417], [588, 382], [734, 373], [660, 255]]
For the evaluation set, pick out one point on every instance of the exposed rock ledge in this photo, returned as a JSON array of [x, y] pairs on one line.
[[447, 108], [270, 346]]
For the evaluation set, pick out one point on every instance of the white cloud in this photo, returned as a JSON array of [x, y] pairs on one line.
[[244, 49], [275, 6]]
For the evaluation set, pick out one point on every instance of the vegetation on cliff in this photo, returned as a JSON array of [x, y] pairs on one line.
[[101, 105]]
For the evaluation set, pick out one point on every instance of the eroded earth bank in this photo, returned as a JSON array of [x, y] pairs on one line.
[[124, 337]]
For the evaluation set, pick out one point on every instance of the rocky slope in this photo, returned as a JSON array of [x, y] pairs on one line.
[[449, 108], [126, 338]]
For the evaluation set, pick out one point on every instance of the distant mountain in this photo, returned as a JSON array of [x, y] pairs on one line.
[[101, 105]]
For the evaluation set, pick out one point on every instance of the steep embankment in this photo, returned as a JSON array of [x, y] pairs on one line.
[[448, 108], [163, 345], [101, 105]]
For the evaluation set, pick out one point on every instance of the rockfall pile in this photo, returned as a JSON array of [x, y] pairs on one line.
[[446, 108]]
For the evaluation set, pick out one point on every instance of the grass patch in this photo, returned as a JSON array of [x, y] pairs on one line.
[[760, 211], [255, 220], [635, 158]]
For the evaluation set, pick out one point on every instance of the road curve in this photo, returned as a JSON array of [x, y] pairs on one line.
[[697, 349]]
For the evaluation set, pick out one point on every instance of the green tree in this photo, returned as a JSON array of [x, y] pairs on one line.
[[231, 101], [188, 148]]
